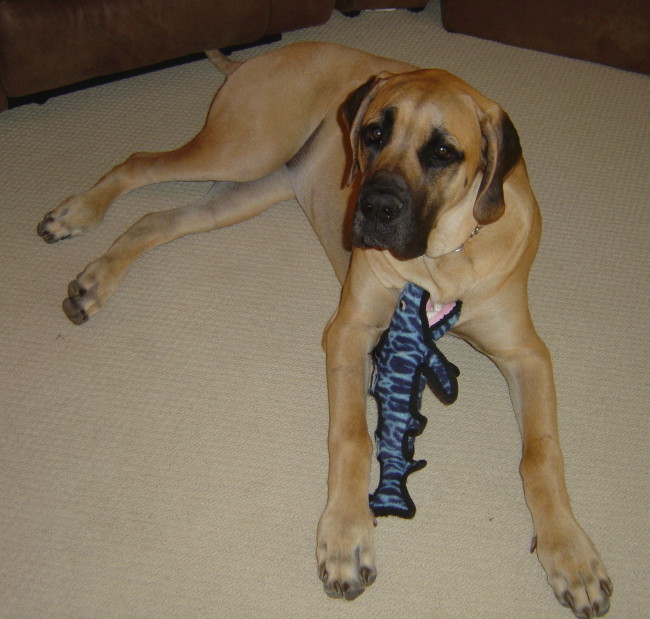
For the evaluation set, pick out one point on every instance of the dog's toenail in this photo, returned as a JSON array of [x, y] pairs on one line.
[[568, 599], [367, 575], [606, 587]]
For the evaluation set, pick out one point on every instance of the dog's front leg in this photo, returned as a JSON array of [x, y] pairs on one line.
[[573, 566], [345, 548]]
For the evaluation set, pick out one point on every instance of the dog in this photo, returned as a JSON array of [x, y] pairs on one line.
[[406, 175]]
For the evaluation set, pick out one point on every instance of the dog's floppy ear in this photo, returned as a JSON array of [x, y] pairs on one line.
[[502, 152], [354, 109]]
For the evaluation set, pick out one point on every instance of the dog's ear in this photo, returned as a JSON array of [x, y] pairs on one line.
[[502, 152], [354, 110]]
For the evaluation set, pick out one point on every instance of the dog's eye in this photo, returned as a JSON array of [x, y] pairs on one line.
[[442, 153], [374, 135], [439, 151]]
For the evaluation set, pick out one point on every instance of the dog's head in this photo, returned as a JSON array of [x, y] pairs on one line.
[[421, 139]]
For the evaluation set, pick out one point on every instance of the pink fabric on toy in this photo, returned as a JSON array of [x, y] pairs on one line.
[[435, 313]]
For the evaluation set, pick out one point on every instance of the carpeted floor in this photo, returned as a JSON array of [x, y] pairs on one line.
[[168, 458]]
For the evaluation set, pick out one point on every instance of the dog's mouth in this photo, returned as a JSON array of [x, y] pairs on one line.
[[372, 240], [385, 217], [399, 249], [369, 235], [400, 237]]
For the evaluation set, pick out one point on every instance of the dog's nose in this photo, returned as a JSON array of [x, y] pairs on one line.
[[380, 206]]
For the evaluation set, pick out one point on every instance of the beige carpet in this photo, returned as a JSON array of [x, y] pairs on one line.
[[169, 458]]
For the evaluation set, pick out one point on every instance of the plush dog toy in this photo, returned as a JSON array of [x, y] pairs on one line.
[[406, 359]]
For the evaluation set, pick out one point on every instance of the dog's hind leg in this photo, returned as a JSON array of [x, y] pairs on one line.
[[195, 161], [238, 143], [252, 129], [226, 204]]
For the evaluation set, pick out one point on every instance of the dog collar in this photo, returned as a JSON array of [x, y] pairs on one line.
[[471, 236]]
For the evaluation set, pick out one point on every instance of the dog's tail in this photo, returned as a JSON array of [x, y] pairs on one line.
[[222, 62]]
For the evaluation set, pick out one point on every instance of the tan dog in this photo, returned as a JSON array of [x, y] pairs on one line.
[[425, 176]]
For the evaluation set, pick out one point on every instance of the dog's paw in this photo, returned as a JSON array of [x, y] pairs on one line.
[[90, 290], [576, 572], [345, 553], [72, 217]]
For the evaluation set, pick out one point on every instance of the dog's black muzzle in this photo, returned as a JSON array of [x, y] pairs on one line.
[[382, 215]]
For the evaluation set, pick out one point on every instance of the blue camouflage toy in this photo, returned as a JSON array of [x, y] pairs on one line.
[[406, 359]]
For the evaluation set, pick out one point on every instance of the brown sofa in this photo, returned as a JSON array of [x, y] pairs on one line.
[[48, 46], [611, 32]]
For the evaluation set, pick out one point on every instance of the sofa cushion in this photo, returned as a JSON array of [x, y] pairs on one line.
[[612, 33]]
